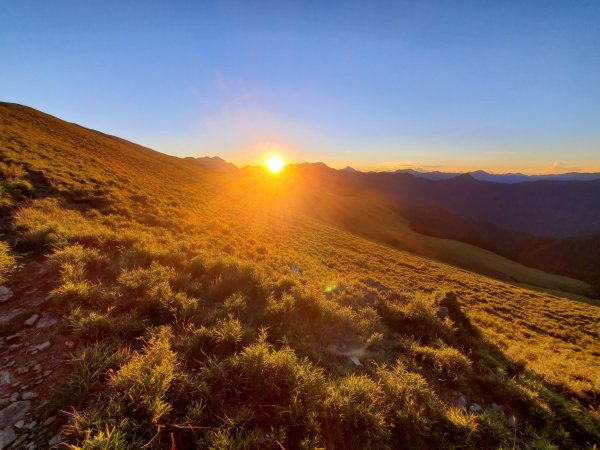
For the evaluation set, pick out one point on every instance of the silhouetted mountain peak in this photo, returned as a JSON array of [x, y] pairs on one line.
[[214, 163]]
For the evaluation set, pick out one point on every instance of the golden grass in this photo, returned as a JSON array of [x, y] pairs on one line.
[[235, 282]]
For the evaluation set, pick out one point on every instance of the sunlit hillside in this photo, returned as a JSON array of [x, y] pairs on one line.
[[241, 309]]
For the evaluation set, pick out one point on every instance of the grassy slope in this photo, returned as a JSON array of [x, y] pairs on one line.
[[121, 207], [369, 216]]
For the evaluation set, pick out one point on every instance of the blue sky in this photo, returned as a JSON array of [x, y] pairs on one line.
[[498, 85]]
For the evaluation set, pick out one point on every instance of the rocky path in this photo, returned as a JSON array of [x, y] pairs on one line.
[[33, 355]]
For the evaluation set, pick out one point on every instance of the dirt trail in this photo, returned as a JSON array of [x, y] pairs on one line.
[[33, 355]]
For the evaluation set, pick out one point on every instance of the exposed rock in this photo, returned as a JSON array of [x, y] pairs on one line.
[[4, 377], [7, 437], [19, 441], [355, 360], [442, 313], [32, 320], [6, 318], [19, 424], [5, 294], [46, 322], [41, 347], [55, 440], [461, 402], [13, 412], [295, 269], [49, 420], [29, 395], [475, 408]]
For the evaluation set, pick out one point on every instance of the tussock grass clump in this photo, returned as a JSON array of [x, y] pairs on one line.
[[265, 375], [140, 386], [352, 416], [14, 185], [223, 338], [413, 317], [90, 365], [447, 362], [150, 291], [415, 411], [136, 406], [8, 263], [91, 325]]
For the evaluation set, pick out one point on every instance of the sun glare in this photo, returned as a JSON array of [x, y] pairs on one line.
[[275, 163]]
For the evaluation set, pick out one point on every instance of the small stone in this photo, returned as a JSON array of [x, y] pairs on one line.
[[49, 421], [14, 412], [46, 322], [37, 368], [10, 363], [14, 396], [19, 441], [461, 402], [22, 370], [5, 294], [497, 407], [69, 344], [355, 360], [7, 437], [12, 336], [4, 377], [16, 384], [32, 425], [475, 408], [32, 320], [55, 440], [29, 395], [19, 424], [47, 373], [42, 346], [295, 269]]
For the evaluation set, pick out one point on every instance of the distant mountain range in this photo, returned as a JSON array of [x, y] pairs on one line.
[[506, 178], [550, 224]]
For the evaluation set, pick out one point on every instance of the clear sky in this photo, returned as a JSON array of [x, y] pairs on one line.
[[497, 85]]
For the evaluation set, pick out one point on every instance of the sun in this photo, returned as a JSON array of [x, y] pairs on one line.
[[275, 163]]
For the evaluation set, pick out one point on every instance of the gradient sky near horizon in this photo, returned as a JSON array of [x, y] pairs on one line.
[[438, 85]]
